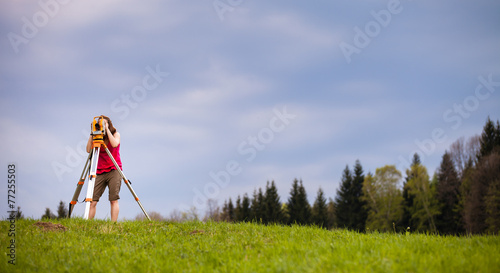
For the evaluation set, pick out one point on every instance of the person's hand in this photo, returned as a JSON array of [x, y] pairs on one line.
[[106, 125]]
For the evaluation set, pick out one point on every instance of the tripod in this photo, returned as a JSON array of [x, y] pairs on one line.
[[90, 167]]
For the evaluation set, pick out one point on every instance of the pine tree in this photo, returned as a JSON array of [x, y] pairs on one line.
[[331, 214], [465, 192], [238, 217], [497, 142], [253, 206], [261, 205], [481, 204], [230, 211], [448, 194], [344, 200], [320, 210], [407, 204], [19, 213], [62, 212], [273, 212], [480, 186], [489, 138], [48, 214], [305, 212], [358, 204], [257, 208], [298, 207], [292, 204], [225, 212], [245, 209], [492, 203]]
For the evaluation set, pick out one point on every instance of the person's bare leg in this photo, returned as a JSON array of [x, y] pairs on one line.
[[92, 209], [115, 209]]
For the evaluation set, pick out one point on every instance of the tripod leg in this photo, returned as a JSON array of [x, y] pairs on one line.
[[127, 182], [79, 186], [92, 178]]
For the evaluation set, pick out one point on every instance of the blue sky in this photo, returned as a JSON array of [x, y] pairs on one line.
[[214, 100]]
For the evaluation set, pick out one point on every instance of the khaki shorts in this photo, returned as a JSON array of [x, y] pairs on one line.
[[113, 180]]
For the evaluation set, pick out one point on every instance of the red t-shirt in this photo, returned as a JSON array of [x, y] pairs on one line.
[[105, 164]]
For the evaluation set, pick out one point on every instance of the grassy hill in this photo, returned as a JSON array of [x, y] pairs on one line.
[[76, 245]]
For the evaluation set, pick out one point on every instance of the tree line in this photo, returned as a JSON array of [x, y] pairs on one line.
[[265, 207], [461, 197], [62, 212]]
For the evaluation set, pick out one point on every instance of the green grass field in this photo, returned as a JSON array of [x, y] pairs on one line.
[[136, 246]]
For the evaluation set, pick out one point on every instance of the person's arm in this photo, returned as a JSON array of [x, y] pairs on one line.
[[114, 140], [89, 144]]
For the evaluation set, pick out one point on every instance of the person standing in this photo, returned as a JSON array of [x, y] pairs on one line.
[[107, 175]]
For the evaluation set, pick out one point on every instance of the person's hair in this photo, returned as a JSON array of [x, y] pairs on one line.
[[112, 128]]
